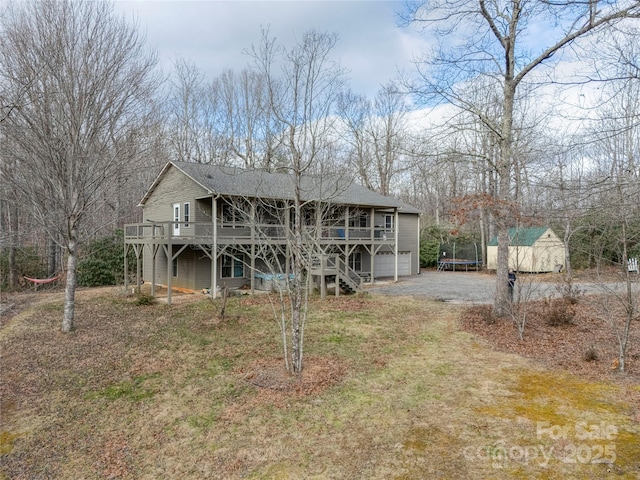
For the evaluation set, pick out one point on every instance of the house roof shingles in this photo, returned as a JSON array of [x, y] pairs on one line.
[[257, 183]]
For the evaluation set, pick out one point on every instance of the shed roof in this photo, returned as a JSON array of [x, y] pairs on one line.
[[522, 237], [258, 183]]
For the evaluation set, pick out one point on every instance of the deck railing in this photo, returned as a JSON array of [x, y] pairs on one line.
[[160, 232]]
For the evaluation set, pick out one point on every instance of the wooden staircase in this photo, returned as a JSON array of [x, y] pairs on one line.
[[350, 281], [332, 266]]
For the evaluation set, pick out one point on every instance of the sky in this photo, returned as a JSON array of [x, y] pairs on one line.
[[372, 46], [213, 34]]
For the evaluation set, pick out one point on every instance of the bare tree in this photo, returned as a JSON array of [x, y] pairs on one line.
[[252, 133], [564, 191], [495, 48], [273, 244], [302, 98], [187, 113], [618, 308], [355, 113], [378, 136], [71, 137], [195, 117], [617, 146]]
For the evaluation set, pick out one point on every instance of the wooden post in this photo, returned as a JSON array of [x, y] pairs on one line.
[[323, 278], [418, 244], [154, 255], [253, 247], [126, 266], [346, 245], [169, 261], [373, 246], [138, 249], [214, 249], [395, 248]]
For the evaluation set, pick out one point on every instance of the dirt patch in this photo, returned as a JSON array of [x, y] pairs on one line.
[[318, 374]]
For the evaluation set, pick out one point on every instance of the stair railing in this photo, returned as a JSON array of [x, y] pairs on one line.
[[349, 275]]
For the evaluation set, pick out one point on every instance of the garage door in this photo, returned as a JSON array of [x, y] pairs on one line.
[[385, 264]]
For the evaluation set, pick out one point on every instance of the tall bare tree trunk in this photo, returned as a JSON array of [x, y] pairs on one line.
[[52, 256], [13, 245], [302, 101], [298, 257], [502, 299], [567, 254], [70, 286]]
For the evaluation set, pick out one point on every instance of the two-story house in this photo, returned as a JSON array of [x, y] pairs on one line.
[[208, 226]]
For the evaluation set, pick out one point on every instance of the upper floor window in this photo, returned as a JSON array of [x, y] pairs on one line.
[[231, 215], [388, 222], [187, 214], [359, 220], [176, 219]]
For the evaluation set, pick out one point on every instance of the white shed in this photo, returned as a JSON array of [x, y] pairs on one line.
[[533, 249]]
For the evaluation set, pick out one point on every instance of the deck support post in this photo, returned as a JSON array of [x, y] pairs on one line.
[[126, 267], [395, 238], [214, 248], [154, 255], [169, 263]]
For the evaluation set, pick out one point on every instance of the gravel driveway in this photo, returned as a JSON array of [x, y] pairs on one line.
[[470, 287]]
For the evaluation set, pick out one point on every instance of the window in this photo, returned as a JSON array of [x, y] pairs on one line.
[[309, 217], [355, 261], [232, 266], [176, 219], [187, 214], [227, 213], [358, 220], [174, 267], [231, 215], [388, 222]]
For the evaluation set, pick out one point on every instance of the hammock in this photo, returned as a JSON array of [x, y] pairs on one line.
[[39, 281]]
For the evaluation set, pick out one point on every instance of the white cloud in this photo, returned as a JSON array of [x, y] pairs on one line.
[[214, 34]]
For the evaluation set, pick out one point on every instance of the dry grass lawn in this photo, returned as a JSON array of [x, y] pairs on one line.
[[392, 389]]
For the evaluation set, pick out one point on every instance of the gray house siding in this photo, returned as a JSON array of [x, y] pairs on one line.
[[202, 210], [146, 266], [194, 271], [203, 272], [175, 187], [186, 270], [188, 263], [408, 239]]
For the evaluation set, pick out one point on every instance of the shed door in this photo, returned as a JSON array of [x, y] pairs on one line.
[[176, 219]]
